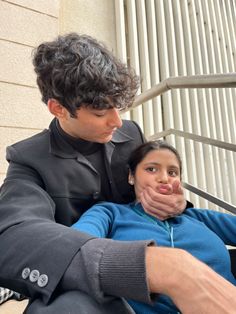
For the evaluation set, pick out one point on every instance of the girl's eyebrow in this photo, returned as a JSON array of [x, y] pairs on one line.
[[152, 163]]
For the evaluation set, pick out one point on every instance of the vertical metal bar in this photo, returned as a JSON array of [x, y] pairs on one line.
[[144, 65], [229, 62], [189, 173], [173, 54], [190, 43], [222, 66], [121, 37], [154, 63], [137, 113], [161, 19]]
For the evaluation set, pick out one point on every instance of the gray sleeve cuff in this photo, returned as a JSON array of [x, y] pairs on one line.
[[104, 268], [123, 270]]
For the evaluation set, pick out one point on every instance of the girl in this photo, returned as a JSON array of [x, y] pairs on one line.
[[203, 233]]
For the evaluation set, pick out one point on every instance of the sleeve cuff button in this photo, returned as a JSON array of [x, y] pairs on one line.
[[42, 280]]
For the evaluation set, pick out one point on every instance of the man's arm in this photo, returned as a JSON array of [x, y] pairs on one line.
[[104, 268], [32, 240], [193, 286]]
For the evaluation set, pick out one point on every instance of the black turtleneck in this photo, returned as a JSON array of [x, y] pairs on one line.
[[94, 153]]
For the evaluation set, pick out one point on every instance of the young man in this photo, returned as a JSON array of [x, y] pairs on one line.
[[56, 175]]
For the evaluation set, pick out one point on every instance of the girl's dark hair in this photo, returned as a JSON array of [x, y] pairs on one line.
[[77, 69], [141, 151]]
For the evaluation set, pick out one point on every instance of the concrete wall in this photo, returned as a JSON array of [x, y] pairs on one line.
[[23, 25], [92, 17]]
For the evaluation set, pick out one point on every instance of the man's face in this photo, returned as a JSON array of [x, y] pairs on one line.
[[92, 124]]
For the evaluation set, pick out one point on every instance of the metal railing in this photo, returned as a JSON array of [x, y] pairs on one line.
[[232, 147], [196, 81]]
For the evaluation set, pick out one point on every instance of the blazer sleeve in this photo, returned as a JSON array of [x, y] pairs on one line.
[[31, 242], [40, 257]]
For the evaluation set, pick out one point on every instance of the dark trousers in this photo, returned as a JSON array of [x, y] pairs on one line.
[[76, 302]]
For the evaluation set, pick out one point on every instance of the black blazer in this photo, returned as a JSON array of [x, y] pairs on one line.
[[47, 182]]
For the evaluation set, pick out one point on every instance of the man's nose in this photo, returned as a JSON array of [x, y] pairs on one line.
[[115, 119]]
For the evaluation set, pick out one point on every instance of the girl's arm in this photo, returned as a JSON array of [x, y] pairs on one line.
[[224, 225], [96, 221]]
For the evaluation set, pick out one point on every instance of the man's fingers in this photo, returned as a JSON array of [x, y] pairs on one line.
[[177, 187], [164, 205], [154, 207]]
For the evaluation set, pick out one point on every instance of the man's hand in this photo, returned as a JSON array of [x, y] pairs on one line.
[[193, 286], [167, 202]]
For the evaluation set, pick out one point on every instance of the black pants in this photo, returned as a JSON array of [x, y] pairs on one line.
[[76, 302]]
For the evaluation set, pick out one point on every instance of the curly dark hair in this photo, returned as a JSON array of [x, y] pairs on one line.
[[78, 70]]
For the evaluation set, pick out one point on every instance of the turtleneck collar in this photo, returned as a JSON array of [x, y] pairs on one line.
[[60, 146], [80, 145]]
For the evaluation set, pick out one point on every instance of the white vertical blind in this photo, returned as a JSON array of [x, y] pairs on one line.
[[154, 63], [121, 37], [163, 38], [133, 45]]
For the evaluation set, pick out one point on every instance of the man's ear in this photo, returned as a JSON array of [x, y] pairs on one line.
[[57, 109], [131, 179]]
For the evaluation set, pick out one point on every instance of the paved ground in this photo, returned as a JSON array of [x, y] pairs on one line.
[[13, 307]]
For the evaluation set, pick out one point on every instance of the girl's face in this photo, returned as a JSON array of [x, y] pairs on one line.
[[159, 169]]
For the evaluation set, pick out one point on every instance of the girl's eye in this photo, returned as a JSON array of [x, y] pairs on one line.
[[151, 169], [173, 173]]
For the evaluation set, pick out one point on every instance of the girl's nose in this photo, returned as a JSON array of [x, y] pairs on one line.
[[162, 177]]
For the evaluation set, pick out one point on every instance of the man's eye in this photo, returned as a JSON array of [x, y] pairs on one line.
[[100, 114]]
